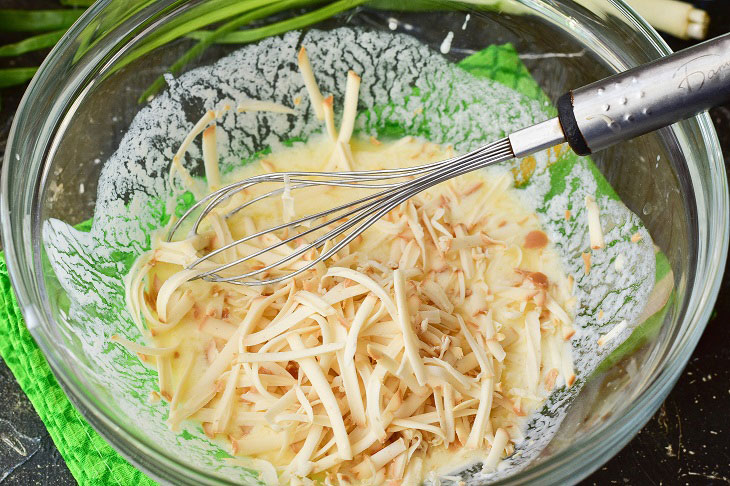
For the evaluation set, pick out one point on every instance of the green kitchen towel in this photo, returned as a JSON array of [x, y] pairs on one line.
[[91, 460], [89, 457]]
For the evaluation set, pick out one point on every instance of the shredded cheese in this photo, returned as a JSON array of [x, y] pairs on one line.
[[287, 201], [613, 333], [352, 89], [423, 335], [257, 105], [310, 83], [594, 224], [210, 159], [405, 320], [329, 117], [495, 452], [321, 385]]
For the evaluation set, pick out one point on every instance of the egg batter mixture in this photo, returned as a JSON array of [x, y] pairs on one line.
[[423, 344]]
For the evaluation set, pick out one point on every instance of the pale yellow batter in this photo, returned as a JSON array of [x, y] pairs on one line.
[[423, 344], [502, 283]]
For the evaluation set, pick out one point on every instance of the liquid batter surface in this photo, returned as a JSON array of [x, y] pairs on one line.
[[422, 345]]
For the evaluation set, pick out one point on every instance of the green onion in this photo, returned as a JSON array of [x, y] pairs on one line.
[[35, 43], [98, 28], [245, 36], [211, 36], [15, 76], [202, 16], [77, 3], [37, 20], [236, 15], [251, 35]]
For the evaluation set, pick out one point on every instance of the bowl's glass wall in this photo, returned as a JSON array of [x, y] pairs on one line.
[[668, 178]]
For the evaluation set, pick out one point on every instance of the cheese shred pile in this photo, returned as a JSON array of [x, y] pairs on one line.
[[436, 332]]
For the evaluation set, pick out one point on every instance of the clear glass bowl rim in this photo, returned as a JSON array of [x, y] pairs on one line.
[[566, 466]]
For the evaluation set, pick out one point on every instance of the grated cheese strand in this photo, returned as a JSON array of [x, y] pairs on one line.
[[476, 436], [210, 159], [501, 439], [594, 224], [310, 83], [352, 88], [404, 318], [324, 391], [289, 355]]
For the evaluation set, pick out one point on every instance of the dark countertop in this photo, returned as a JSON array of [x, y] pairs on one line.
[[687, 442]]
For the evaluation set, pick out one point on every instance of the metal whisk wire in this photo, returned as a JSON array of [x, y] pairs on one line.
[[358, 215]]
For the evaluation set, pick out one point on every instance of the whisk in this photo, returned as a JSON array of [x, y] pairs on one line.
[[589, 119]]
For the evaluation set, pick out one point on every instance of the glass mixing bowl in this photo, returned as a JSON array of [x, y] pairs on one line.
[[85, 95]]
